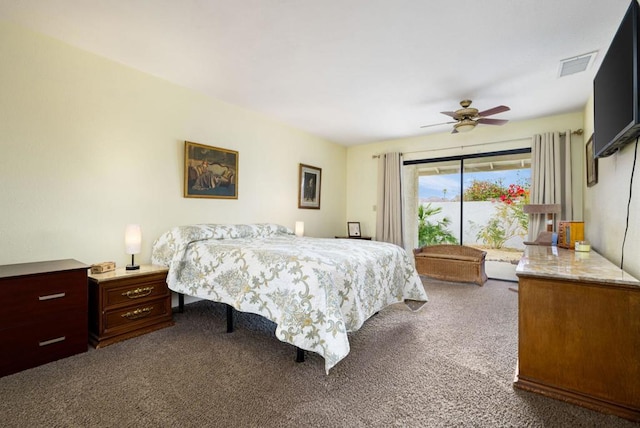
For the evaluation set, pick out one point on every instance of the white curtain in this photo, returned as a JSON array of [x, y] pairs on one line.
[[550, 177], [410, 199], [389, 225]]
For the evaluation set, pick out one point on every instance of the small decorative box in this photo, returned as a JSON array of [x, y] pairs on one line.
[[103, 267]]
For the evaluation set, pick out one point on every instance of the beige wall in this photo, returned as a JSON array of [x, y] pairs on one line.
[[605, 205], [88, 145], [362, 168]]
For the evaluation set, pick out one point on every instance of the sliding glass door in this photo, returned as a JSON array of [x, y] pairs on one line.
[[473, 200]]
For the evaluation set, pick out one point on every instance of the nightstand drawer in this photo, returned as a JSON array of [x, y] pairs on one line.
[[27, 299], [131, 293], [48, 340], [136, 316]]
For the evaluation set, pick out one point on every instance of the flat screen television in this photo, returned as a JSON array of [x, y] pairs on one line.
[[615, 89]]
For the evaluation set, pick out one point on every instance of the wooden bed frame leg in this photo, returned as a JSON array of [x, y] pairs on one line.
[[229, 319], [299, 355]]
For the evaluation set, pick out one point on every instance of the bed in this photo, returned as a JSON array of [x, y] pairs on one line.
[[315, 290]]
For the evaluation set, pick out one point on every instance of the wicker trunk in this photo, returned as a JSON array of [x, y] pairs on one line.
[[456, 263]]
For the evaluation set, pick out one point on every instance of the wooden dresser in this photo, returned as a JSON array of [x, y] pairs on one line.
[[127, 303], [579, 330], [44, 313]]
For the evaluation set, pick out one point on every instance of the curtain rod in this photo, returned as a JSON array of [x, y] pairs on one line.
[[576, 132]]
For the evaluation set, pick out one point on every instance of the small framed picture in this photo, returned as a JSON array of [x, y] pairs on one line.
[[592, 164], [309, 180], [353, 227]]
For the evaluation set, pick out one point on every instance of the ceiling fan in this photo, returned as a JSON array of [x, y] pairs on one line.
[[468, 117]]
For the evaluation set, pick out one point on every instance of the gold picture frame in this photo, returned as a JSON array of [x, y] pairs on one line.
[[309, 185], [210, 172], [592, 164]]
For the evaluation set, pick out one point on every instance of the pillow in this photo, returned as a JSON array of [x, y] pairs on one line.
[[172, 244], [264, 230]]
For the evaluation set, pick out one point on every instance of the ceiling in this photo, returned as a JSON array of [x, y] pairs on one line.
[[351, 71]]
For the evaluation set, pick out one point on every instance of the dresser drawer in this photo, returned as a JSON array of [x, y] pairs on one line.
[[137, 316], [133, 292], [49, 339], [30, 298]]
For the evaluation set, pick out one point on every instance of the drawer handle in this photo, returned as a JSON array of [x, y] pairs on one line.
[[138, 292], [52, 341], [138, 313], [51, 296]]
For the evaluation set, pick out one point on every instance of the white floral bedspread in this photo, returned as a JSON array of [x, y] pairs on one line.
[[315, 290]]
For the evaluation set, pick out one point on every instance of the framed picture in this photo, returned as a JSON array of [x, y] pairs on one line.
[[210, 172], [592, 164], [353, 228], [309, 181]]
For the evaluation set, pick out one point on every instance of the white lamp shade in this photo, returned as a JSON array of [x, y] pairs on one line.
[[133, 238], [299, 228]]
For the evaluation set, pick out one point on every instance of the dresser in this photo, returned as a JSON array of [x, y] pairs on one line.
[[128, 303], [579, 330], [44, 313]]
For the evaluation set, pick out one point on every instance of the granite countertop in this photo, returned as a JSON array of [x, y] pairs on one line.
[[553, 262]]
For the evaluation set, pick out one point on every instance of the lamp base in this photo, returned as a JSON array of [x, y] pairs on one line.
[[133, 265]]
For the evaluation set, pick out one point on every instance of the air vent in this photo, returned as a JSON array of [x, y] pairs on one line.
[[576, 64]]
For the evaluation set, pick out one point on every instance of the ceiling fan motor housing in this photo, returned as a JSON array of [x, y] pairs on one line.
[[466, 113]]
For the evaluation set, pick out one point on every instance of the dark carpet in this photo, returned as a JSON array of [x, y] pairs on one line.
[[450, 364]]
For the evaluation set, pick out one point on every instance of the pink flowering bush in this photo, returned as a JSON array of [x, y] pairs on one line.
[[510, 220]]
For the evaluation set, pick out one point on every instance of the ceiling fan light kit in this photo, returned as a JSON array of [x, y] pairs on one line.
[[468, 117], [464, 125]]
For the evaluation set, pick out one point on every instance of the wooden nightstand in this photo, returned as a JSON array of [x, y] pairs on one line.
[[44, 313], [128, 303]]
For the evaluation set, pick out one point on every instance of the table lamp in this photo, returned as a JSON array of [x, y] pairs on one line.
[[132, 243]]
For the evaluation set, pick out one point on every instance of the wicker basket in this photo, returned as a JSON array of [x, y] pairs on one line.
[[456, 263]]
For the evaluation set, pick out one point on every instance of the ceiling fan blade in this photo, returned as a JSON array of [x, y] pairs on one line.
[[495, 110], [492, 121], [438, 124], [449, 113]]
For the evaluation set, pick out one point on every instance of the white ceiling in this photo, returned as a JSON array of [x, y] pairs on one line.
[[352, 71]]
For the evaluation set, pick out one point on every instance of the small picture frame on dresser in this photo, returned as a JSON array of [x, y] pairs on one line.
[[353, 229]]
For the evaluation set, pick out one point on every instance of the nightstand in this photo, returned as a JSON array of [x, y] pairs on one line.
[[44, 313], [128, 303], [364, 238]]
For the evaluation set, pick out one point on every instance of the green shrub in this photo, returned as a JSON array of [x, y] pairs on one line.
[[510, 220], [433, 232]]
